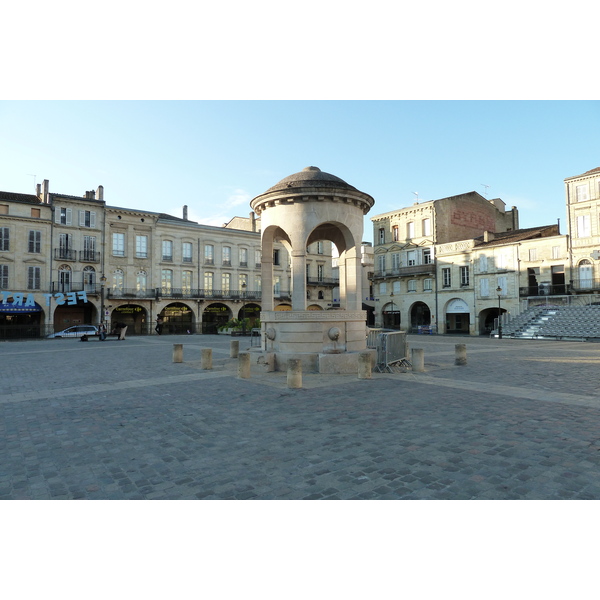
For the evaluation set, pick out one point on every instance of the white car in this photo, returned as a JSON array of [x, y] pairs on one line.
[[75, 332]]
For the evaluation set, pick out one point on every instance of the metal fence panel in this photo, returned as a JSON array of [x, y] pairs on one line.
[[392, 350]]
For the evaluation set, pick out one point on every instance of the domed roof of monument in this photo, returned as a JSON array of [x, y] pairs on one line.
[[310, 177]]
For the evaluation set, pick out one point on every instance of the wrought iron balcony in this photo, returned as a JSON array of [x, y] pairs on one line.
[[323, 281], [89, 256], [409, 271], [585, 285], [65, 254]]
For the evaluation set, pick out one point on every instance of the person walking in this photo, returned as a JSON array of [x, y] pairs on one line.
[[122, 327], [159, 324], [102, 332]]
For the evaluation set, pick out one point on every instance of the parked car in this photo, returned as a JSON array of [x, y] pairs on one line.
[[75, 332]]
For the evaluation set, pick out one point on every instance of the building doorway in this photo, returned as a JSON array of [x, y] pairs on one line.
[[391, 316], [214, 316], [178, 318], [420, 316]]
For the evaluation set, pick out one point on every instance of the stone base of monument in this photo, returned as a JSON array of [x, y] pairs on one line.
[[325, 341]]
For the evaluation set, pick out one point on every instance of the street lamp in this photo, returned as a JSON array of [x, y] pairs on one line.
[[499, 292], [243, 286], [102, 283]]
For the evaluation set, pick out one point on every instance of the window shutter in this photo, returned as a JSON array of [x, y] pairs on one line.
[[82, 218], [485, 287], [93, 219], [57, 214], [69, 216]]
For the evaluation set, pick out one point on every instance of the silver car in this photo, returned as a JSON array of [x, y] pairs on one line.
[[75, 332]]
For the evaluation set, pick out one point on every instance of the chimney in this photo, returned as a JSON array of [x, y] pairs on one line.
[[46, 192], [252, 221], [488, 236], [100, 193], [185, 212], [39, 191]]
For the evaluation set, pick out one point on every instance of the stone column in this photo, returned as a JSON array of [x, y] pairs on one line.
[[353, 280], [298, 280], [266, 275], [342, 274]]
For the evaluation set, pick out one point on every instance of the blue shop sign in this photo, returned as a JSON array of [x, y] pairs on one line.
[[11, 309]]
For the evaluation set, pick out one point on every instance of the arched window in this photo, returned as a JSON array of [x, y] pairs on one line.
[[141, 280], [64, 278], [585, 274], [89, 279], [118, 281]]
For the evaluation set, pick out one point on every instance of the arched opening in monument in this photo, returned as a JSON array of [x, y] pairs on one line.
[[215, 315], [420, 316]]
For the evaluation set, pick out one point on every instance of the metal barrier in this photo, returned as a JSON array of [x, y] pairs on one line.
[[255, 335], [392, 351], [372, 336]]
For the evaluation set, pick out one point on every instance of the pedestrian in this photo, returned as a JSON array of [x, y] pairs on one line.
[[122, 329], [159, 324], [102, 332]]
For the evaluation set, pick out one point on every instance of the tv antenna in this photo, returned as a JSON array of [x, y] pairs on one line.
[[34, 181], [486, 189], [417, 195]]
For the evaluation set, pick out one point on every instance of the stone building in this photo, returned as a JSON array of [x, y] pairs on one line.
[[86, 260], [583, 213]]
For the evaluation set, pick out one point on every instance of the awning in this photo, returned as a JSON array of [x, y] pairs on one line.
[[8, 308]]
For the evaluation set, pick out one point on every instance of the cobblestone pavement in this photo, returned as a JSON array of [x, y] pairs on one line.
[[121, 421]]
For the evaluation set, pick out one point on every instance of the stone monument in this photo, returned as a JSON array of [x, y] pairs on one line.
[[299, 210]]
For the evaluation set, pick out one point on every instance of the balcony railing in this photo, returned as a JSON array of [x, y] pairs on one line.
[[75, 286], [89, 256], [324, 281], [585, 285], [405, 271], [129, 293], [65, 254], [545, 290]]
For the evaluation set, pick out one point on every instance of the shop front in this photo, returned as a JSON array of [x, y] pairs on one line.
[[457, 317], [19, 321]]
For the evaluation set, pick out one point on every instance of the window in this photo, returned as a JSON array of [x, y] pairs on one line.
[[4, 239], [410, 230], [87, 218], [118, 244], [186, 282], [243, 257], [35, 241], [464, 276], [501, 261], [34, 275], [209, 279], [395, 235], [89, 248], [426, 226], [141, 246], [484, 287], [65, 246], [63, 216], [585, 274], [141, 280], [4, 277], [166, 280], [64, 278], [226, 282], [167, 250], [412, 257], [383, 288], [89, 279], [381, 262], [555, 252], [118, 280], [446, 277], [243, 282], [209, 255], [532, 254], [396, 260], [412, 285], [3, 209], [396, 287], [277, 285], [187, 250], [483, 263], [36, 213], [427, 256], [320, 247], [382, 236], [258, 283], [581, 192], [427, 285], [226, 256], [583, 226], [276, 257], [257, 259], [320, 272]]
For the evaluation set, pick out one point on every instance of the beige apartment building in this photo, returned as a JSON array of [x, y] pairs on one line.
[[90, 262]]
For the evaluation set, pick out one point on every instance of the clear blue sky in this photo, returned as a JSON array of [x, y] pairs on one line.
[[215, 156]]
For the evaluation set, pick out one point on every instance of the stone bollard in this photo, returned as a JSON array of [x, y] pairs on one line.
[[461, 354], [234, 349], [206, 360], [244, 365], [364, 365], [418, 360], [294, 373], [177, 353]]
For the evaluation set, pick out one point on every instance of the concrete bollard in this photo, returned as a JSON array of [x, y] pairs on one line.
[[244, 365], [234, 349], [364, 365], [418, 360], [461, 354], [206, 359], [294, 373], [177, 353]]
